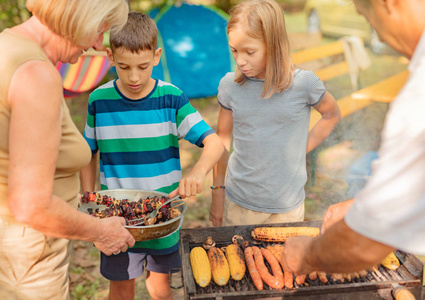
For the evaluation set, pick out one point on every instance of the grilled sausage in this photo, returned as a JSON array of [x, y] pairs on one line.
[[275, 281], [252, 269], [300, 279], [313, 275], [322, 276], [288, 277]]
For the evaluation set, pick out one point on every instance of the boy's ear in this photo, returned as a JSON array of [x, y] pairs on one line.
[[157, 56], [110, 56]]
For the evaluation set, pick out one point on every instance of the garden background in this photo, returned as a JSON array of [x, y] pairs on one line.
[[353, 136]]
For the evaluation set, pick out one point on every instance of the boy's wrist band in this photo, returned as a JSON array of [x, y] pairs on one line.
[[217, 187]]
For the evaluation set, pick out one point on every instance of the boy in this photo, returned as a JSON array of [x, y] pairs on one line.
[[135, 123]]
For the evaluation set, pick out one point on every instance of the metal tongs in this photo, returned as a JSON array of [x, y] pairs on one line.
[[153, 214]]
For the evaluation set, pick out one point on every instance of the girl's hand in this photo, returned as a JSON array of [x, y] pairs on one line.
[[217, 207], [335, 213]]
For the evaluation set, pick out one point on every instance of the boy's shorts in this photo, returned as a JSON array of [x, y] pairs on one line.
[[237, 215], [129, 265]]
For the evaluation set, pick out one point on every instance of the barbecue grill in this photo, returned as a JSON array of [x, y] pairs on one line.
[[377, 284]]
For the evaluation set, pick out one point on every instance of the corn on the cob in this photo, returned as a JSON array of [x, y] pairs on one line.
[[391, 261], [277, 251], [236, 260], [219, 266], [281, 234], [200, 264]]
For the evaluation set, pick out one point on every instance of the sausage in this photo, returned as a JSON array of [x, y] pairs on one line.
[[289, 280], [348, 276], [300, 279], [288, 277], [337, 276], [253, 272], [275, 266], [362, 273], [313, 275], [322, 276], [275, 281]]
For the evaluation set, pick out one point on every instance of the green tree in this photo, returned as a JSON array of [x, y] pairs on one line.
[[12, 12]]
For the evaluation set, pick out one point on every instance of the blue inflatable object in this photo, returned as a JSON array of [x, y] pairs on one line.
[[359, 173], [195, 51]]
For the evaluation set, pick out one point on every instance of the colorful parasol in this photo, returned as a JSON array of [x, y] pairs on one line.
[[84, 75]]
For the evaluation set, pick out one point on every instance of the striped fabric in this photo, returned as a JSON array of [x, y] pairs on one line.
[[84, 75], [138, 140]]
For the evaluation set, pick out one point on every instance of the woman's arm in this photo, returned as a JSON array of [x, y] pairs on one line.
[[34, 138], [329, 110], [225, 132], [88, 175]]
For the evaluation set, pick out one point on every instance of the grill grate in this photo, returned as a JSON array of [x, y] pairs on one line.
[[375, 284]]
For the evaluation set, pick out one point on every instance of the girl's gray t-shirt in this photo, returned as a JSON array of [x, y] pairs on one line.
[[267, 168]]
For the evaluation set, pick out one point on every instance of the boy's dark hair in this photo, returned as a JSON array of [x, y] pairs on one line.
[[138, 34]]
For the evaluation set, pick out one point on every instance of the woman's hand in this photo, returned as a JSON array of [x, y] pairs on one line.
[[113, 238]]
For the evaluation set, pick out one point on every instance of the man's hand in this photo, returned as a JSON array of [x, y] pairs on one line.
[[335, 213], [295, 253]]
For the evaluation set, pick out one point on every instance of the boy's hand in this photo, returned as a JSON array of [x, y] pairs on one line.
[[191, 185], [217, 207]]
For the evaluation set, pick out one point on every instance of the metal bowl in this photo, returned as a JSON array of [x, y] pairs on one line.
[[141, 233]]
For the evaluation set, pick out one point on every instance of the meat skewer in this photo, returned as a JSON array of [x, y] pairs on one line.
[[130, 210]]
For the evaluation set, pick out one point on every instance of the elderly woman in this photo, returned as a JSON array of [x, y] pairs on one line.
[[389, 213], [41, 151]]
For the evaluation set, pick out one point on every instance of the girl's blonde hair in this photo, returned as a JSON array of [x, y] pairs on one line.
[[79, 20], [264, 19]]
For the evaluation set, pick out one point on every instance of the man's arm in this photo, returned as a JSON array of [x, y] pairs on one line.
[[338, 250]]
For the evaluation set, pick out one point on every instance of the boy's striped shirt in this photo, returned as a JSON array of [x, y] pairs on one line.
[[138, 140]]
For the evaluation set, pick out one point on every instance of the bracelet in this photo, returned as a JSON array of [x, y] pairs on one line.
[[217, 187]]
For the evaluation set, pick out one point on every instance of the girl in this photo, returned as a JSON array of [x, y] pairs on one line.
[[265, 105]]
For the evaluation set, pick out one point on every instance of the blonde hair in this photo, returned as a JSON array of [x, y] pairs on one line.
[[139, 33], [264, 20], [79, 20]]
